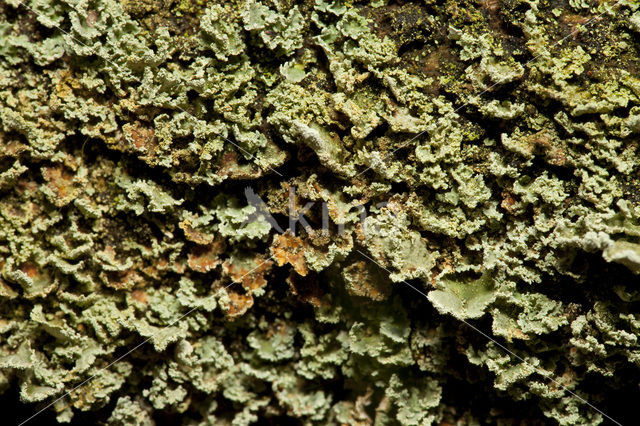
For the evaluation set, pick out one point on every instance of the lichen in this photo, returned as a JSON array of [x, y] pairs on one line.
[[237, 201]]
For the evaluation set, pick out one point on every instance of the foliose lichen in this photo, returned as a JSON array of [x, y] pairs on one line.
[[492, 144]]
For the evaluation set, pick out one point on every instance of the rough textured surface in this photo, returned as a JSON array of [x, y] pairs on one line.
[[497, 166]]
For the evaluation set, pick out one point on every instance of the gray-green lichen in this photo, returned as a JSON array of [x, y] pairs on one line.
[[492, 144]]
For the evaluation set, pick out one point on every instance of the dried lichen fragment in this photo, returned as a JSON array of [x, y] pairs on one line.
[[288, 248], [248, 271], [238, 304], [205, 258], [362, 280], [61, 184]]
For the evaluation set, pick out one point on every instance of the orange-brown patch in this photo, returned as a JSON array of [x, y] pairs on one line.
[[507, 202], [542, 142], [574, 20], [60, 180], [63, 88], [239, 304], [41, 279], [31, 269], [92, 18], [139, 296], [12, 148], [194, 235], [122, 280], [151, 271], [230, 158], [516, 333], [141, 139], [361, 281], [491, 5], [287, 248], [162, 264], [232, 167], [205, 258], [251, 277]]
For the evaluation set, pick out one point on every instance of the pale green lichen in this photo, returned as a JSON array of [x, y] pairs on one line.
[[494, 157]]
